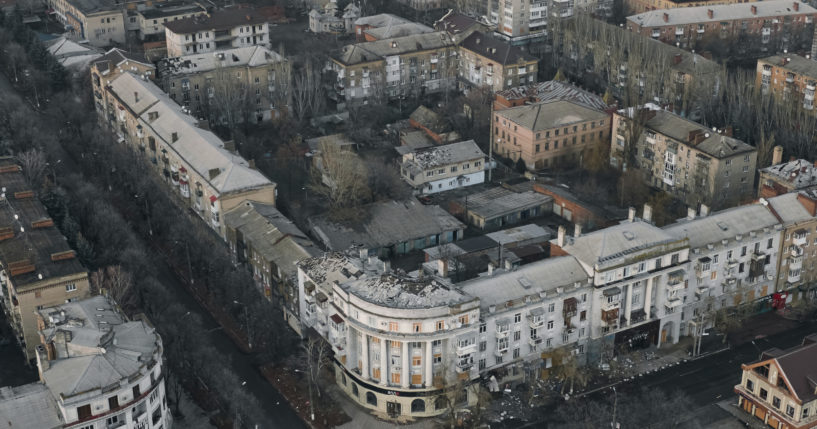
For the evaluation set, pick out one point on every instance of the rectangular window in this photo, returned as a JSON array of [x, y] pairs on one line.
[[750, 386], [393, 326], [776, 402], [70, 287], [416, 327], [416, 361], [440, 325]]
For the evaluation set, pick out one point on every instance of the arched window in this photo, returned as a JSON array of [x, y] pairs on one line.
[[354, 390], [371, 399], [440, 403], [418, 406]]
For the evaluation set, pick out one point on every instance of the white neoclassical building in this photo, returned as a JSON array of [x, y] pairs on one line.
[[103, 370]]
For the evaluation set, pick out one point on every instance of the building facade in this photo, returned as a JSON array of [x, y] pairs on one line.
[[522, 20], [778, 388], [248, 84], [442, 168], [417, 64], [194, 163], [790, 77], [100, 22], [797, 260], [550, 134], [216, 31], [103, 369], [693, 163], [39, 268], [149, 22], [488, 62], [784, 177], [769, 23], [640, 6]]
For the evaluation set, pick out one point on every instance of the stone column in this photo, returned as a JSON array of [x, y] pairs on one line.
[[429, 372], [404, 375], [629, 302], [648, 298], [364, 358], [384, 363]]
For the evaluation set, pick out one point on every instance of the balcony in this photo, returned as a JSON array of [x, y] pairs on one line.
[[467, 349], [673, 302], [464, 366], [500, 352], [502, 333], [535, 342], [793, 275], [799, 237], [701, 292]]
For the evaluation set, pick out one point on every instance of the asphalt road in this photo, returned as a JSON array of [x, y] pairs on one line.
[[278, 411]]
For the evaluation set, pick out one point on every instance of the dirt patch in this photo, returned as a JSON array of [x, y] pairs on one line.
[[291, 382]]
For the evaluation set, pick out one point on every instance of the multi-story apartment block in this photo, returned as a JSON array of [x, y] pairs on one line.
[[693, 163], [248, 83], [416, 64], [109, 66], [193, 161], [778, 388], [100, 22], [102, 369], [523, 20], [401, 341], [441, 168], [393, 336], [215, 31], [771, 22], [270, 245], [149, 22], [790, 77], [784, 177], [640, 6], [733, 260], [39, 268], [638, 274], [327, 21], [797, 260], [422, 5], [549, 134], [459, 26], [493, 63]]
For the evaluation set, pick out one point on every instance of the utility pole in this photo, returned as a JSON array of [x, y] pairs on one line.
[[614, 424], [189, 266]]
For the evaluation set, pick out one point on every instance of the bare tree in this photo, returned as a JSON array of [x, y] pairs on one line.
[[34, 164], [316, 354], [568, 370], [340, 176], [117, 283], [307, 91]]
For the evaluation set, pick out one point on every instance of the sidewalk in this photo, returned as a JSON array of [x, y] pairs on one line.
[[365, 418], [732, 408]]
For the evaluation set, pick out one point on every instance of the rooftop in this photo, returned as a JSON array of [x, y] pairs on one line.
[[381, 20], [455, 22], [378, 50], [96, 346], [398, 30], [72, 54], [700, 14], [723, 225], [612, 245], [789, 209], [115, 56], [519, 234], [554, 90], [499, 201], [429, 119], [161, 10], [274, 237], [89, 7], [250, 56], [385, 224], [32, 249], [550, 114], [797, 366], [438, 156], [683, 130], [794, 63], [495, 49], [338, 139], [797, 174], [200, 149], [528, 280], [29, 406], [219, 20]]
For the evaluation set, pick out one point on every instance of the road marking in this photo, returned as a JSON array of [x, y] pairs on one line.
[[690, 372]]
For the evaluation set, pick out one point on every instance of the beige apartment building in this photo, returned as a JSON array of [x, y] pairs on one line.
[[151, 20], [639, 6], [401, 66], [441, 168], [198, 167], [790, 77], [489, 62], [797, 260], [691, 162], [525, 19], [778, 388], [551, 134], [109, 66], [100, 22], [215, 31], [249, 83], [39, 268]]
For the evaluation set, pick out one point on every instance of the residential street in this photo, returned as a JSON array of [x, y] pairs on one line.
[[279, 414]]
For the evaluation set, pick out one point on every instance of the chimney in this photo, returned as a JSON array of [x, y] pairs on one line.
[[364, 254], [136, 96], [229, 145], [647, 213], [508, 265], [754, 10], [710, 13], [777, 155], [690, 213], [796, 6], [631, 214], [704, 210], [174, 137], [677, 59], [251, 163], [560, 240], [442, 267], [666, 17], [491, 269], [385, 266], [577, 230]]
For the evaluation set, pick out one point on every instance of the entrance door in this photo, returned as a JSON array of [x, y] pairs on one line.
[[393, 409], [747, 406], [773, 422], [663, 336]]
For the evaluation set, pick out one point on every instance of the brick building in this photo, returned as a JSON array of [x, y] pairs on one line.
[[784, 177], [640, 6], [772, 23], [790, 77], [549, 134], [490, 62]]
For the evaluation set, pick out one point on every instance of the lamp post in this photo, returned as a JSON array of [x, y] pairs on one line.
[[246, 322]]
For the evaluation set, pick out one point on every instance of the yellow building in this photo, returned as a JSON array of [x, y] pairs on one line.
[[101, 23], [38, 269]]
